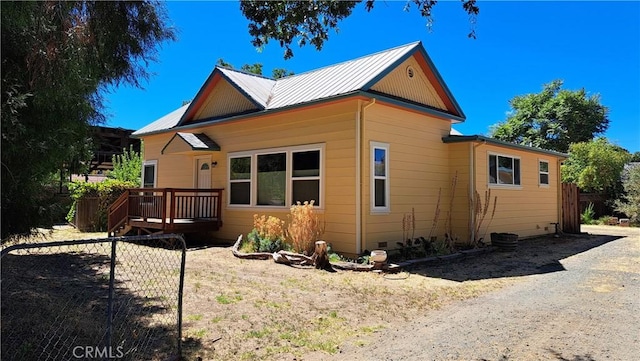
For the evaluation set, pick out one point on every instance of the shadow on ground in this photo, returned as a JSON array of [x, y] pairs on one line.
[[532, 256], [54, 306]]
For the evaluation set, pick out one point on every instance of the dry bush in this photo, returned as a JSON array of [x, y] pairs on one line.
[[480, 212], [271, 228], [305, 228]]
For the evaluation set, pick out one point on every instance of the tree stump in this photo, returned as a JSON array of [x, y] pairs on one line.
[[320, 255]]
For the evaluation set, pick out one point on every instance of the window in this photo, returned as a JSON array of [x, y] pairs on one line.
[[276, 178], [305, 176], [379, 177], [544, 172], [504, 170], [240, 180], [149, 173], [272, 178]]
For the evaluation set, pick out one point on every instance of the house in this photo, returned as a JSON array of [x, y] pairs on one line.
[[368, 139]]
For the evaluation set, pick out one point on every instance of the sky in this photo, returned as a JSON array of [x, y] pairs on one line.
[[520, 46]]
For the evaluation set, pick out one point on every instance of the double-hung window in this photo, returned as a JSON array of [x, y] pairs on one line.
[[240, 180], [544, 172], [504, 170], [379, 177], [276, 177]]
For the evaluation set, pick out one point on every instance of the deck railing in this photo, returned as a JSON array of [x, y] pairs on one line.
[[165, 206]]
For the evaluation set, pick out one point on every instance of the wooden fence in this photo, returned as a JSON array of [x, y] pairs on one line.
[[87, 214], [570, 208]]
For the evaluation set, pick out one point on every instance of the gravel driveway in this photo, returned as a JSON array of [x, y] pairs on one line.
[[585, 307]]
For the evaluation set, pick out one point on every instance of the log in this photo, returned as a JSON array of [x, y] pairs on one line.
[[280, 258], [320, 255], [236, 252]]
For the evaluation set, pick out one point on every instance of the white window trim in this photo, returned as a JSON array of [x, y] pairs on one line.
[[544, 185], [289, 172], [155, 172], [500, 185], [372, 200], [250, 180]]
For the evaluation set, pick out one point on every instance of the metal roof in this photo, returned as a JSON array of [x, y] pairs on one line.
[[167, 122], [335, 79], [257, 87], [348, 77]]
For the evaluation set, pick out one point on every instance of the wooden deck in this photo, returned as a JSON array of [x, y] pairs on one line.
[[166, 210]]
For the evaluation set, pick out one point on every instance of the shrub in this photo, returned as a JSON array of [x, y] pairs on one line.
[[267, 234], [587, 216], [304, 228], [107, 192], [629, 204]]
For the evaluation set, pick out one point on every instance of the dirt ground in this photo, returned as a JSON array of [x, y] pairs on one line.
[[238, 309]]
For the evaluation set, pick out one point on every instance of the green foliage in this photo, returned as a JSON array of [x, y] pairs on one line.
[[269, 244], [595, 166], [309, 22], [256, 68], [587, 217], [629, 204], [106, 192], [57, 59], [635, 157], [553, 118], [127, 167]]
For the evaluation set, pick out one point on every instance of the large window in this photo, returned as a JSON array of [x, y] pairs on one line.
[[276, 178], [544, 172], [379, 177], [504, 170]]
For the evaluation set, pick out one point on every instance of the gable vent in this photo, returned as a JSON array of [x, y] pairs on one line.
[[410, 72]]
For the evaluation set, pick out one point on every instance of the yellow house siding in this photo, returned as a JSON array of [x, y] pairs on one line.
[[224, 99], [418, 167], [417, 89], [459, 166], [332, 125], [173, 170], [529, 209]]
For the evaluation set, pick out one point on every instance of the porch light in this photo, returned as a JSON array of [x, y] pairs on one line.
[[214, 164]]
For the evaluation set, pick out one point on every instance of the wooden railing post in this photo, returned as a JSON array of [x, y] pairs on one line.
[[218, 212], [164, 208], [172, 206]]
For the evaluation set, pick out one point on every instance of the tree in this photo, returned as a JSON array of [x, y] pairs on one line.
[[309, 22], [553, 118], [256, 68], [595, 166], [635, 157], [127, 167], [629, 204], [58, 57]]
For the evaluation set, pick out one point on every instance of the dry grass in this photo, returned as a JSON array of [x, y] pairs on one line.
[[254, 310]]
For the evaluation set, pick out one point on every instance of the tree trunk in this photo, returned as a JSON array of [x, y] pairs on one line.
[[321, 256]]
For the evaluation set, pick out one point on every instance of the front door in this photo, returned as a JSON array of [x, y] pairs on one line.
[[203, 181]]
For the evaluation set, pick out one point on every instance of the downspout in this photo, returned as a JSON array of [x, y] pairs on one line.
[[360, 127]]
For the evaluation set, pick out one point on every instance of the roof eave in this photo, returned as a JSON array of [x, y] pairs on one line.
[[483, 139], [404, 104]]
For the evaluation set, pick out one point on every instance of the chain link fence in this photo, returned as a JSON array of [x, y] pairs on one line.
[[115, 298]]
